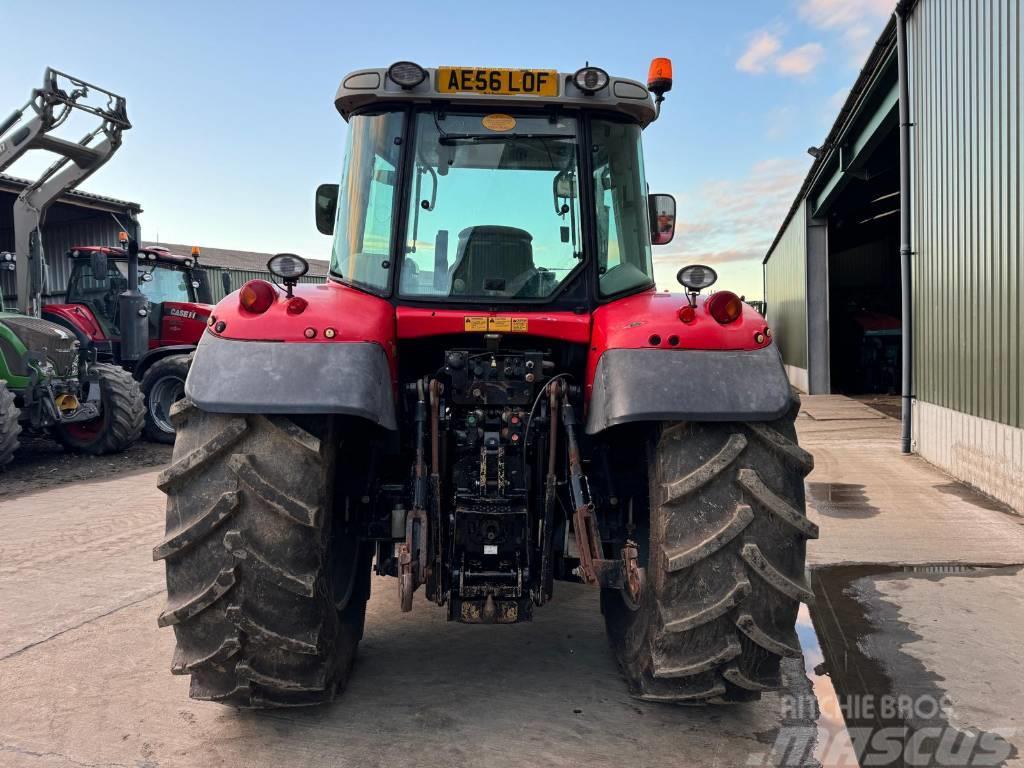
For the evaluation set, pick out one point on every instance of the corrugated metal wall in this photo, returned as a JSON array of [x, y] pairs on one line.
[[966, 106], [786, 291]]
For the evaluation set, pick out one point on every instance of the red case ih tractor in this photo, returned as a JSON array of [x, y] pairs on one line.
[[177, 304], [487, 396]]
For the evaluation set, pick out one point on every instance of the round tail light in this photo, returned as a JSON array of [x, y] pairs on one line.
[[725, 307], [256, 296]]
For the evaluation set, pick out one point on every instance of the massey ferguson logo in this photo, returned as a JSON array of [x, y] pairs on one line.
[[188, 314]]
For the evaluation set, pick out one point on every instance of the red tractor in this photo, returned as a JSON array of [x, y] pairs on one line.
[[176, 303], [488, 395]]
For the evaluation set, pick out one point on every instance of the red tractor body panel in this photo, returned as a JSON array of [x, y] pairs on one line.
[[417, 323], [182, 323], [647, 320], [75, 315]]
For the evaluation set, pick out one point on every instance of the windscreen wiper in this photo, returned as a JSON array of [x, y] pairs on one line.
[[475, 138]]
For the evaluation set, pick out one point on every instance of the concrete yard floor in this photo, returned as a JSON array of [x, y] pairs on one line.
[[910, 601], [84, 671]]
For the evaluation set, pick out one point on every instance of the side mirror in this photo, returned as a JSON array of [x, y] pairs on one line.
[[201, 284], [326, 207], [662, 210], [98, 262]]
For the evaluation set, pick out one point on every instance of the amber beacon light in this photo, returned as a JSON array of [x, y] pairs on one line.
[[659, 77]]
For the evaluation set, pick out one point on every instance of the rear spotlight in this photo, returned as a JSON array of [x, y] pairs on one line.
[[696, 277], [310, 333], [590, 79], [287, 266], [406, 74], [256, 296], [725, 307]]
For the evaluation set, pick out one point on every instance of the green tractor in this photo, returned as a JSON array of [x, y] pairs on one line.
[[47, 385]]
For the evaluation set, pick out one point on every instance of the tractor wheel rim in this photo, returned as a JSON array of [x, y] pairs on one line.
[[165, 393]]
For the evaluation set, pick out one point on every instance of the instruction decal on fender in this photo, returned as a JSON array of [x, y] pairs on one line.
[[499, 324], [520, 325], [475, 324]]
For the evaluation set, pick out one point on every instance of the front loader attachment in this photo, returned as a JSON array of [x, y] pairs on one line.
[[47, 110]]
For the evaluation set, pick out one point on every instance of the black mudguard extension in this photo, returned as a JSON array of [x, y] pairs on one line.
[[352, 378], [687, 385]]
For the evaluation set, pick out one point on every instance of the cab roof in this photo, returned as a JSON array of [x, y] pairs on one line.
[[157, 254], [367, 87]]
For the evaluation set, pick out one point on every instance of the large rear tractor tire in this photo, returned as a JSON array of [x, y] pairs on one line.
[[9, 426], [120, 421], [163, 385], [725, 575], [266, 588]]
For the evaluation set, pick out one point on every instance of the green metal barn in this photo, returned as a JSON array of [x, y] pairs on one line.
[[872, 262]]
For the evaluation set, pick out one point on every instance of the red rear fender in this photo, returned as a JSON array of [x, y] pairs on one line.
[[651, 321], [328, 313]]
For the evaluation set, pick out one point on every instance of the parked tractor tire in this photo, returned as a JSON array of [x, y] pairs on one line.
[[266, 589], [121, 419], [725, 576], [163, 385], [9, 426]]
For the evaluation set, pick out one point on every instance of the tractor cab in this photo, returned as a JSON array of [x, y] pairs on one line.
[[174, 287], [501, 186]]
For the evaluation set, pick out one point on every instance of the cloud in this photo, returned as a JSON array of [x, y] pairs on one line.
[[759, 53], [800, 61], [734, 220], [858, 23], [764, 52], [833, 14]]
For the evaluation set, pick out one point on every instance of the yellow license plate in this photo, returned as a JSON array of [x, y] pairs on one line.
[[498, 82]]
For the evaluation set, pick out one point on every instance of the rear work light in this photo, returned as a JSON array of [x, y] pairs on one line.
[[590, 79], [256, 296], [406, 74], [725, 307]]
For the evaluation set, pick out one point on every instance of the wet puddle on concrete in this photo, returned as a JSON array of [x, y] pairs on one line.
[[846, 500], [863, 721]]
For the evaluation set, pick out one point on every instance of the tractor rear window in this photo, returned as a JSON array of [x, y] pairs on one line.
[[494, 210]]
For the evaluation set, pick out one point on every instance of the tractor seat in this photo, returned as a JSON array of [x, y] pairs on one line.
[[492, 260]]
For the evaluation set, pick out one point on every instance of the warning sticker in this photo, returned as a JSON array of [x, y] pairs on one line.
[[499, 324], [475, 324], [520, 325]]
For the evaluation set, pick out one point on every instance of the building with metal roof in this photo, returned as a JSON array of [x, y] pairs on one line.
[[898, 268], [76, 218], [230, 269], [84, 218]]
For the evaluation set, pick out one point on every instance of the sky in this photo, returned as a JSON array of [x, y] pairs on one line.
[[234, 123]]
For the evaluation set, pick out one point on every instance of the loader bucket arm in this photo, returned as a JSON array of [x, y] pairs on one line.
[[49, 108]]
